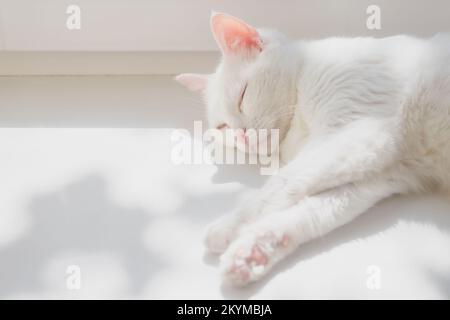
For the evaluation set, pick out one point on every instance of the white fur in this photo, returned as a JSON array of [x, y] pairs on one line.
[[367, 118]]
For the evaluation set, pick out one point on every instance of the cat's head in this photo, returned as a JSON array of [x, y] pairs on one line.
[[254, 85]]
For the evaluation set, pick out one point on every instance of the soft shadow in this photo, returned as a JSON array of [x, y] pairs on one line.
[[78, 217], [426, 210], [210, 259], [440, 280], [246, 174], [206, 208]]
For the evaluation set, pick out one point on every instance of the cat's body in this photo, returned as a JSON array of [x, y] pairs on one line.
[[360, 120], [399, 79]]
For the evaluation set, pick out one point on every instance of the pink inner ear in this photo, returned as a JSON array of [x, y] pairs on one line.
[[233, 34]]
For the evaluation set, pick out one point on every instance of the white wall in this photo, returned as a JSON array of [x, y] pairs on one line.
[[176, 25]]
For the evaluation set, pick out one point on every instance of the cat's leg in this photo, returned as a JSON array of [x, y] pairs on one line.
[[223, 231], [277, 234], [359, 151], [226, 229]]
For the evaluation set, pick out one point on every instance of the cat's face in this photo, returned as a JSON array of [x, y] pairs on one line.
[[253, 87]]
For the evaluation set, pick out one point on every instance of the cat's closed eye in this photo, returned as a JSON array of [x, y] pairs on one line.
[[241, 98], [222, 126]]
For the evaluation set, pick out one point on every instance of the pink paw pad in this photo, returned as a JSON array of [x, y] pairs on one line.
[[244, 274], [257, 256]]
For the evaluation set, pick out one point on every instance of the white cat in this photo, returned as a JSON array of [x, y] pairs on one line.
[[359, 119]]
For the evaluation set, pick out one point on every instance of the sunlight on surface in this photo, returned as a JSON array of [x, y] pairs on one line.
[[111, 202], [66, 185]]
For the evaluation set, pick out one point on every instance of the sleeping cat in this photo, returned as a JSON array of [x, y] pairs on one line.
[[359, 120]]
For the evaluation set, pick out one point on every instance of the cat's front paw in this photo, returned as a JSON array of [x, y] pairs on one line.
[[224, 231], [218, 237], [249, 258]]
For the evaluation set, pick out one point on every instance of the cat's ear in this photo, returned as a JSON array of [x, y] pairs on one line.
[[193, 81], [234, 35]]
